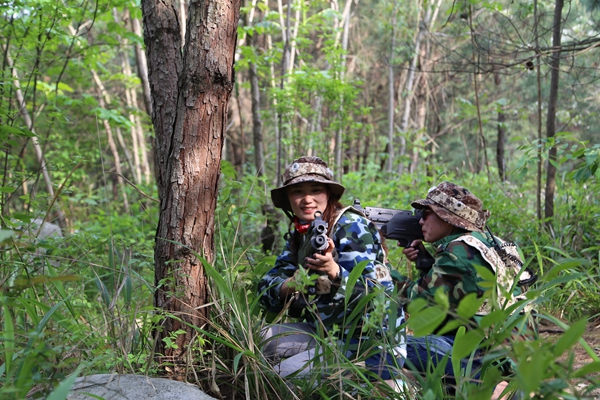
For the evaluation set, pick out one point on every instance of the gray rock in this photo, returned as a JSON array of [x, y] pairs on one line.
[[42, 229], [133, 387]]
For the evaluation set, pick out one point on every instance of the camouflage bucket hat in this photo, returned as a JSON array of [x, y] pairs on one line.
[[305, 169], [455, 205]]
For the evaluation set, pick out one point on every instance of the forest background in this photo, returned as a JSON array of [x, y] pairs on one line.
[[502, 97]]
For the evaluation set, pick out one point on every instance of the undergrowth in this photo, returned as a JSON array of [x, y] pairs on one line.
[[82, 303]]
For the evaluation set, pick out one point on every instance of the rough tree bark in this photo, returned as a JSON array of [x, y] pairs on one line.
[[190, 94]]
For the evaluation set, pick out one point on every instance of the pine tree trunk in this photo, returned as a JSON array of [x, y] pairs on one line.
[[190, 97]]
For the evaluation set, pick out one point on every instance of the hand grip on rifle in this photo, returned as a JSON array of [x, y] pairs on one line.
[[424, 260]]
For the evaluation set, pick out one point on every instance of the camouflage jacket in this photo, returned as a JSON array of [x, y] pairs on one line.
[[453, 270], [356, 240]]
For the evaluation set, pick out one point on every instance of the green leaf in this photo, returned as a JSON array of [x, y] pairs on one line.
[[441, 298], [353, 278], [63, 389], [492, 318], [58, 284], [103, 291], [128, 290], [469, 305], [426, 321], [466, 344], [591, 368], [570, 337], [530, 372], [486, 274], [65, 87], [460, 333], [567, 265], [222, 286], [6, 130], [236, 361], [415, 306], [227, 169]]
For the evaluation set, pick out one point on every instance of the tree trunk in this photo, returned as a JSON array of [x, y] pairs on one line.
[[501, 139], [259, 156], [39, 154], [551, 121], [500, 145], [409, 86], [104, 100], [391, 94], [190, 96], [234, 146], [538, 73]]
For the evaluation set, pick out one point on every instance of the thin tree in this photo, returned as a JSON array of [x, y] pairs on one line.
[[410, 80], [551, 117], [391, 92], [190, 93]]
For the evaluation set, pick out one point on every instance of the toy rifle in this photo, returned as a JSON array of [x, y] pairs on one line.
[[400, 225], [318, 240]]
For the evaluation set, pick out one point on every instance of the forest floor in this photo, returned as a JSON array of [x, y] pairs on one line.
[[580, 355]]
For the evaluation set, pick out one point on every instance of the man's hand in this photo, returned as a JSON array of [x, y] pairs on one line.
[[412, 252], [416, 252]]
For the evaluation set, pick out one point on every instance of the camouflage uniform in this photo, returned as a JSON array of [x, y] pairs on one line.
[[454, 270], [455, 255], [357, 241]]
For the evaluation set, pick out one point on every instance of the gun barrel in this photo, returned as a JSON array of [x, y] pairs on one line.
[[400, 225], [381, 216]]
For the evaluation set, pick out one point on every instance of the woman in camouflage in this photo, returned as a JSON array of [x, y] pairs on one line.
[[352, 241]]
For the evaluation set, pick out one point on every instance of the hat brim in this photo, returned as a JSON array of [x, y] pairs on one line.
[[446, 215], [280, 198]]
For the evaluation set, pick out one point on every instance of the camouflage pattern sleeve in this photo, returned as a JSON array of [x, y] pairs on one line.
[[270, 285], [357, 240], [453, 270]]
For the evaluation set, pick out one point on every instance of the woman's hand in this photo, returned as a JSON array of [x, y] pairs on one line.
[[413, 250], [324, 263]]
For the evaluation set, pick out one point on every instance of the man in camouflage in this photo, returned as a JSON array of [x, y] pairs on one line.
[[453, 222], [352, 241]]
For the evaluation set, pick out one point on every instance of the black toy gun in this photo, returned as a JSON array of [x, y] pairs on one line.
[[400, 225], [318, 241]]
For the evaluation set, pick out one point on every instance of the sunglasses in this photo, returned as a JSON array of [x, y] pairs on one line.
[[426, 212]]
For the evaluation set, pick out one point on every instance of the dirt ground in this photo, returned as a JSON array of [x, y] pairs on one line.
[[581, 357]]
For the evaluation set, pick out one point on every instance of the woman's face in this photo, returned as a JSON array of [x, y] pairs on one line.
[[306, 198], [434, 228]]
